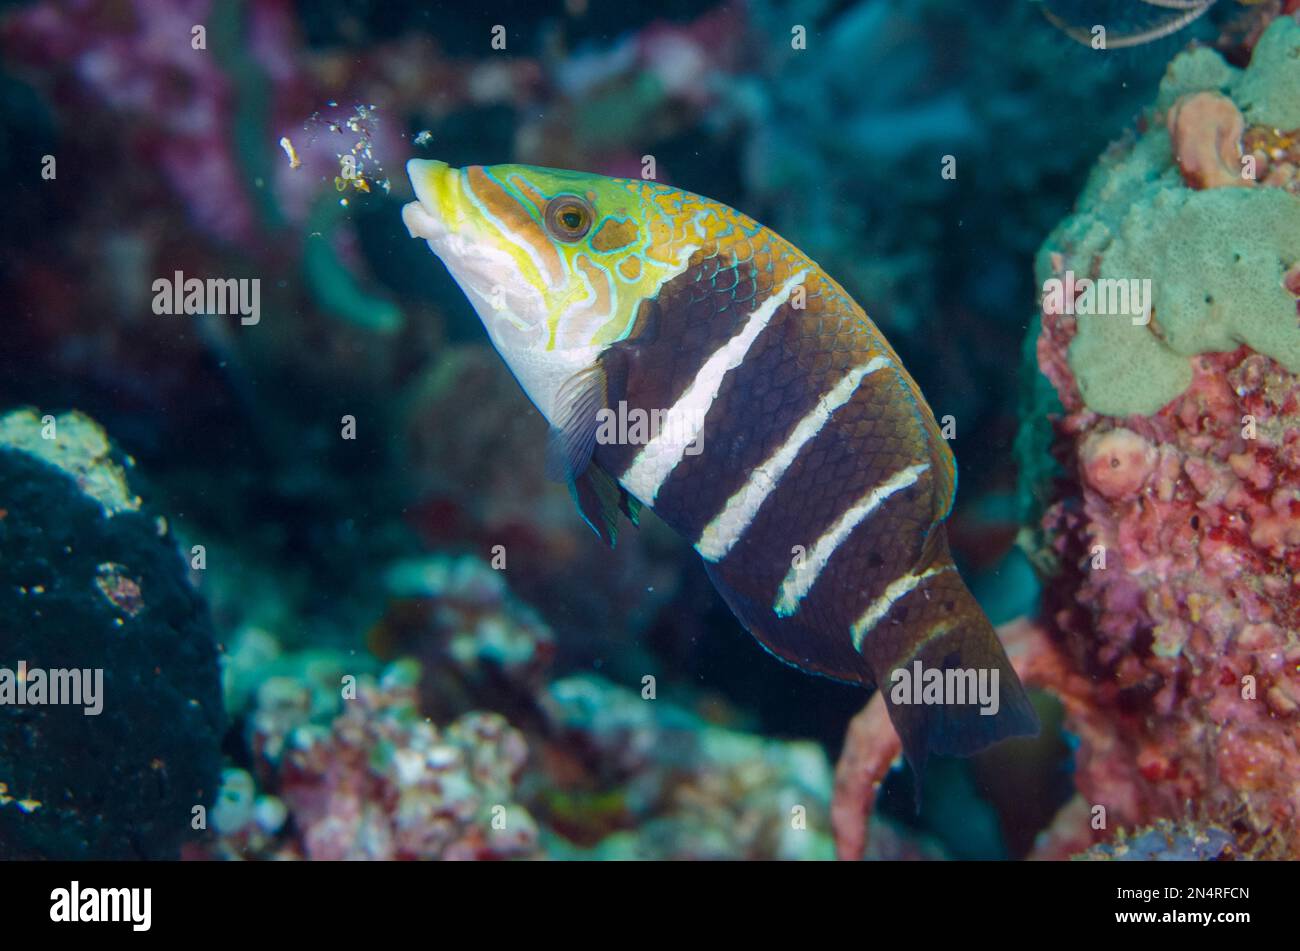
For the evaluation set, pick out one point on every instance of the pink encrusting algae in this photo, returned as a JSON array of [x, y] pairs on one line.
[[1176, 535], [1179, 546]]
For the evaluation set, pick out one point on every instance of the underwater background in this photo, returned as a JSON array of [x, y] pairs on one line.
[[342, 613]]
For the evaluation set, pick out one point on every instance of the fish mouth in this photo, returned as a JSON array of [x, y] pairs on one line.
[[430, 215], [443, 215]]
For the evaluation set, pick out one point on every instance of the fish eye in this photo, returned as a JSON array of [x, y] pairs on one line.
[[569, 217]]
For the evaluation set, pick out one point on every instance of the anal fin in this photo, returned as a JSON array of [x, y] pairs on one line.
[[791, 639]]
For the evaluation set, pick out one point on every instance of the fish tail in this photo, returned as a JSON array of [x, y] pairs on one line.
[[938, 643]]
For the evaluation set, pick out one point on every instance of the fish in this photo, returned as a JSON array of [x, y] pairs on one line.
[[692, 362]]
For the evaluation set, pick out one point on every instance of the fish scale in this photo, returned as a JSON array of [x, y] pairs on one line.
[[815, 483]]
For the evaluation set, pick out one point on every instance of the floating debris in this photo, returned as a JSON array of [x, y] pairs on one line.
[[358, 169], [424, 138], [26, 805], [289, 150]]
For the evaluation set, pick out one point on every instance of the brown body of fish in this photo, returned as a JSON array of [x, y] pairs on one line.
[[853, 524]]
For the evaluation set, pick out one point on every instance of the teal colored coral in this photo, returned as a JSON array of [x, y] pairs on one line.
[[1269, 92], [1215, 258]]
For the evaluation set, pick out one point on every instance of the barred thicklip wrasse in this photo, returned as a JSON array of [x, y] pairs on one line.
[[786, 441]]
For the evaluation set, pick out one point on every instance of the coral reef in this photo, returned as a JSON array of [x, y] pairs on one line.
[[1165, 842], [352, 767], [641, 778], [1173, 537], [93, 592], [350, 762], [384, 783], [333, 562]]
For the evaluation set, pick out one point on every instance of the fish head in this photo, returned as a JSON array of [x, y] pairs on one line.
[[555, 263]]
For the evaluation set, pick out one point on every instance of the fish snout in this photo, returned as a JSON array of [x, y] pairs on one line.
[[430, 215], [429, 179]]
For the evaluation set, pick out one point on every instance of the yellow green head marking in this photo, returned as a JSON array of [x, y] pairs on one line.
[[559, 260]]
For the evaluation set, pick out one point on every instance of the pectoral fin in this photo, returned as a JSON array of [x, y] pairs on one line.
[[572, 441], [578, 403]]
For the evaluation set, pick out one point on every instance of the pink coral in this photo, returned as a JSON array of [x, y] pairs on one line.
[[1206, 130], [1117, 463], [1188, 634], [384, 783]]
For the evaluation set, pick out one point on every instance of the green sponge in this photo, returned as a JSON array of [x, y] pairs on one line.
[[1269, 92], [1215, 260], [1200, 69]]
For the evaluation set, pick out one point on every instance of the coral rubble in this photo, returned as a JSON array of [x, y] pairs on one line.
[[382, 782], [643, 778], [1165, 842], [595, 771]]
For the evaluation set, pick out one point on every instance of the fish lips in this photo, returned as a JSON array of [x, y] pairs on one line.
[[426, 216]]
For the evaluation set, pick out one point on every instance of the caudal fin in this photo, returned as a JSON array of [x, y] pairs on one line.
[[946, 681]]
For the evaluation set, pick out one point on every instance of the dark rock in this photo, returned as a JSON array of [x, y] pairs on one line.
[[89, 580]]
